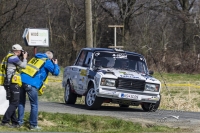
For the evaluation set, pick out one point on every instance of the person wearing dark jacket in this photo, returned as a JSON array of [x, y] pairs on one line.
[[33, 79]]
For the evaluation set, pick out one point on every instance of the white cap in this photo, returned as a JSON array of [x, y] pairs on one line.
[[17, 47]]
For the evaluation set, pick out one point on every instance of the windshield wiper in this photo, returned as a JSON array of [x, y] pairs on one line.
[[100, 67]]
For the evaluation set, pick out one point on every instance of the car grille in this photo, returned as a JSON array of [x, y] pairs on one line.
[[131, 84]]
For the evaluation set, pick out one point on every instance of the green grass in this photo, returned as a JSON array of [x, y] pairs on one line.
[[173, 77], [58, 122], [198, 93], [198, 104]]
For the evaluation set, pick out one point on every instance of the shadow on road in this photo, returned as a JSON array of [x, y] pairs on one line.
[[105, 108]]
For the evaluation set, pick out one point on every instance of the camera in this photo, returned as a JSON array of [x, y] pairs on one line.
[[22, 53], [53, 59]]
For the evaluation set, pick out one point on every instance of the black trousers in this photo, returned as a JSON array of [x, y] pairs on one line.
[[10, 114]]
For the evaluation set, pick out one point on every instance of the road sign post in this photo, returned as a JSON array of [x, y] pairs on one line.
[[115, 30], [36, 37]]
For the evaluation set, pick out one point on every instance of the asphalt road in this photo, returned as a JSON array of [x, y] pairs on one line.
[[173, 118]]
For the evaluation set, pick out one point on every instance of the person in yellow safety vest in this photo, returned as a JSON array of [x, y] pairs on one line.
[[34, 78], [11, 80]]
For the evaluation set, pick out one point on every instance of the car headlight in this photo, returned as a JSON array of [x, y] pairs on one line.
[[107, 82], [152, 87]]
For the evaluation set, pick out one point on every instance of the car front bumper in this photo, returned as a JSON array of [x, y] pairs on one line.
[[137, 96]]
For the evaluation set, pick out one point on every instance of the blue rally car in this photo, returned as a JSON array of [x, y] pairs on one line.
[[111, 75]]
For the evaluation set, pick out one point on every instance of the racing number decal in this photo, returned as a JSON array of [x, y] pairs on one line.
[[34, 61], [83, 72], [33, 66]]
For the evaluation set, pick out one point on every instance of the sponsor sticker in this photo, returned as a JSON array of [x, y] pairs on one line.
[[122, 72], [120, 55], [129, 76], [97, 54]]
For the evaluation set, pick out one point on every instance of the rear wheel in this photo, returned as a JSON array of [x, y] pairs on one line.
[[70, 97], [91, 100]]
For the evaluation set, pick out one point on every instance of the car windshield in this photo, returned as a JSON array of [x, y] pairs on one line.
[[120, 60]]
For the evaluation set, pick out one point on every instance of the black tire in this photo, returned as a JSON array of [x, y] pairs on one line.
[[69, 96], [91, 100], [151, 107], [123, 105]]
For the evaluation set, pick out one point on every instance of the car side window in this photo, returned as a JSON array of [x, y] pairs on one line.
[[141, 67], [81, 58], [88, 59]]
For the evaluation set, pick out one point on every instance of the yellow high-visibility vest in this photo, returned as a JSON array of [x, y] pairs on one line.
[[41, 89], [16, 78], [32, 68]]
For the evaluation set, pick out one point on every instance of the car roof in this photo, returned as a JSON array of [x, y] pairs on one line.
[[110, 50]]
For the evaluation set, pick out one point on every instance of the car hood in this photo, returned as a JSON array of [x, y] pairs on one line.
[[119, 73]]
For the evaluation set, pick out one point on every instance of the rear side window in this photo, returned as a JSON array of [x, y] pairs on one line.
[[81, 58], [88, 59]]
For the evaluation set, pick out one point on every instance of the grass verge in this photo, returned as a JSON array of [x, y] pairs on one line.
[[58, 122]]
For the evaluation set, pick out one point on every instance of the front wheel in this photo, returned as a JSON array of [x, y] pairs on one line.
[[151, 107], [70, 97], [91, 100]]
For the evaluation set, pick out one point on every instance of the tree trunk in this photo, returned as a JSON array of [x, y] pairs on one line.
[[88, 23]]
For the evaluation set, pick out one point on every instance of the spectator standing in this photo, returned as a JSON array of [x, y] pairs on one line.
[[33, 78], [12, 83]]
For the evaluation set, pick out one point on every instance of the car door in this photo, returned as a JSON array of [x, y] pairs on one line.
[[83, 66]]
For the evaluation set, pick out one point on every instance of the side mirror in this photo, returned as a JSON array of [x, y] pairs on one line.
[[151, 72]]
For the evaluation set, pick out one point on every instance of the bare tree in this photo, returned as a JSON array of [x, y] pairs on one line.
[[10, 12], [88, 23], [123, 12], [182, 9], [76, 23]]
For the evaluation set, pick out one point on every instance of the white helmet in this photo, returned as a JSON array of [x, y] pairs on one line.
[[17, 47]]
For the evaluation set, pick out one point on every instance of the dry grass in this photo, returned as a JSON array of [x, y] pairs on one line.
[[46, 123], [181, 95], [177, 95], [54, 91]]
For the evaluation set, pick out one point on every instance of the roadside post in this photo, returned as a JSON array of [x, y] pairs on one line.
[[115, 30]]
